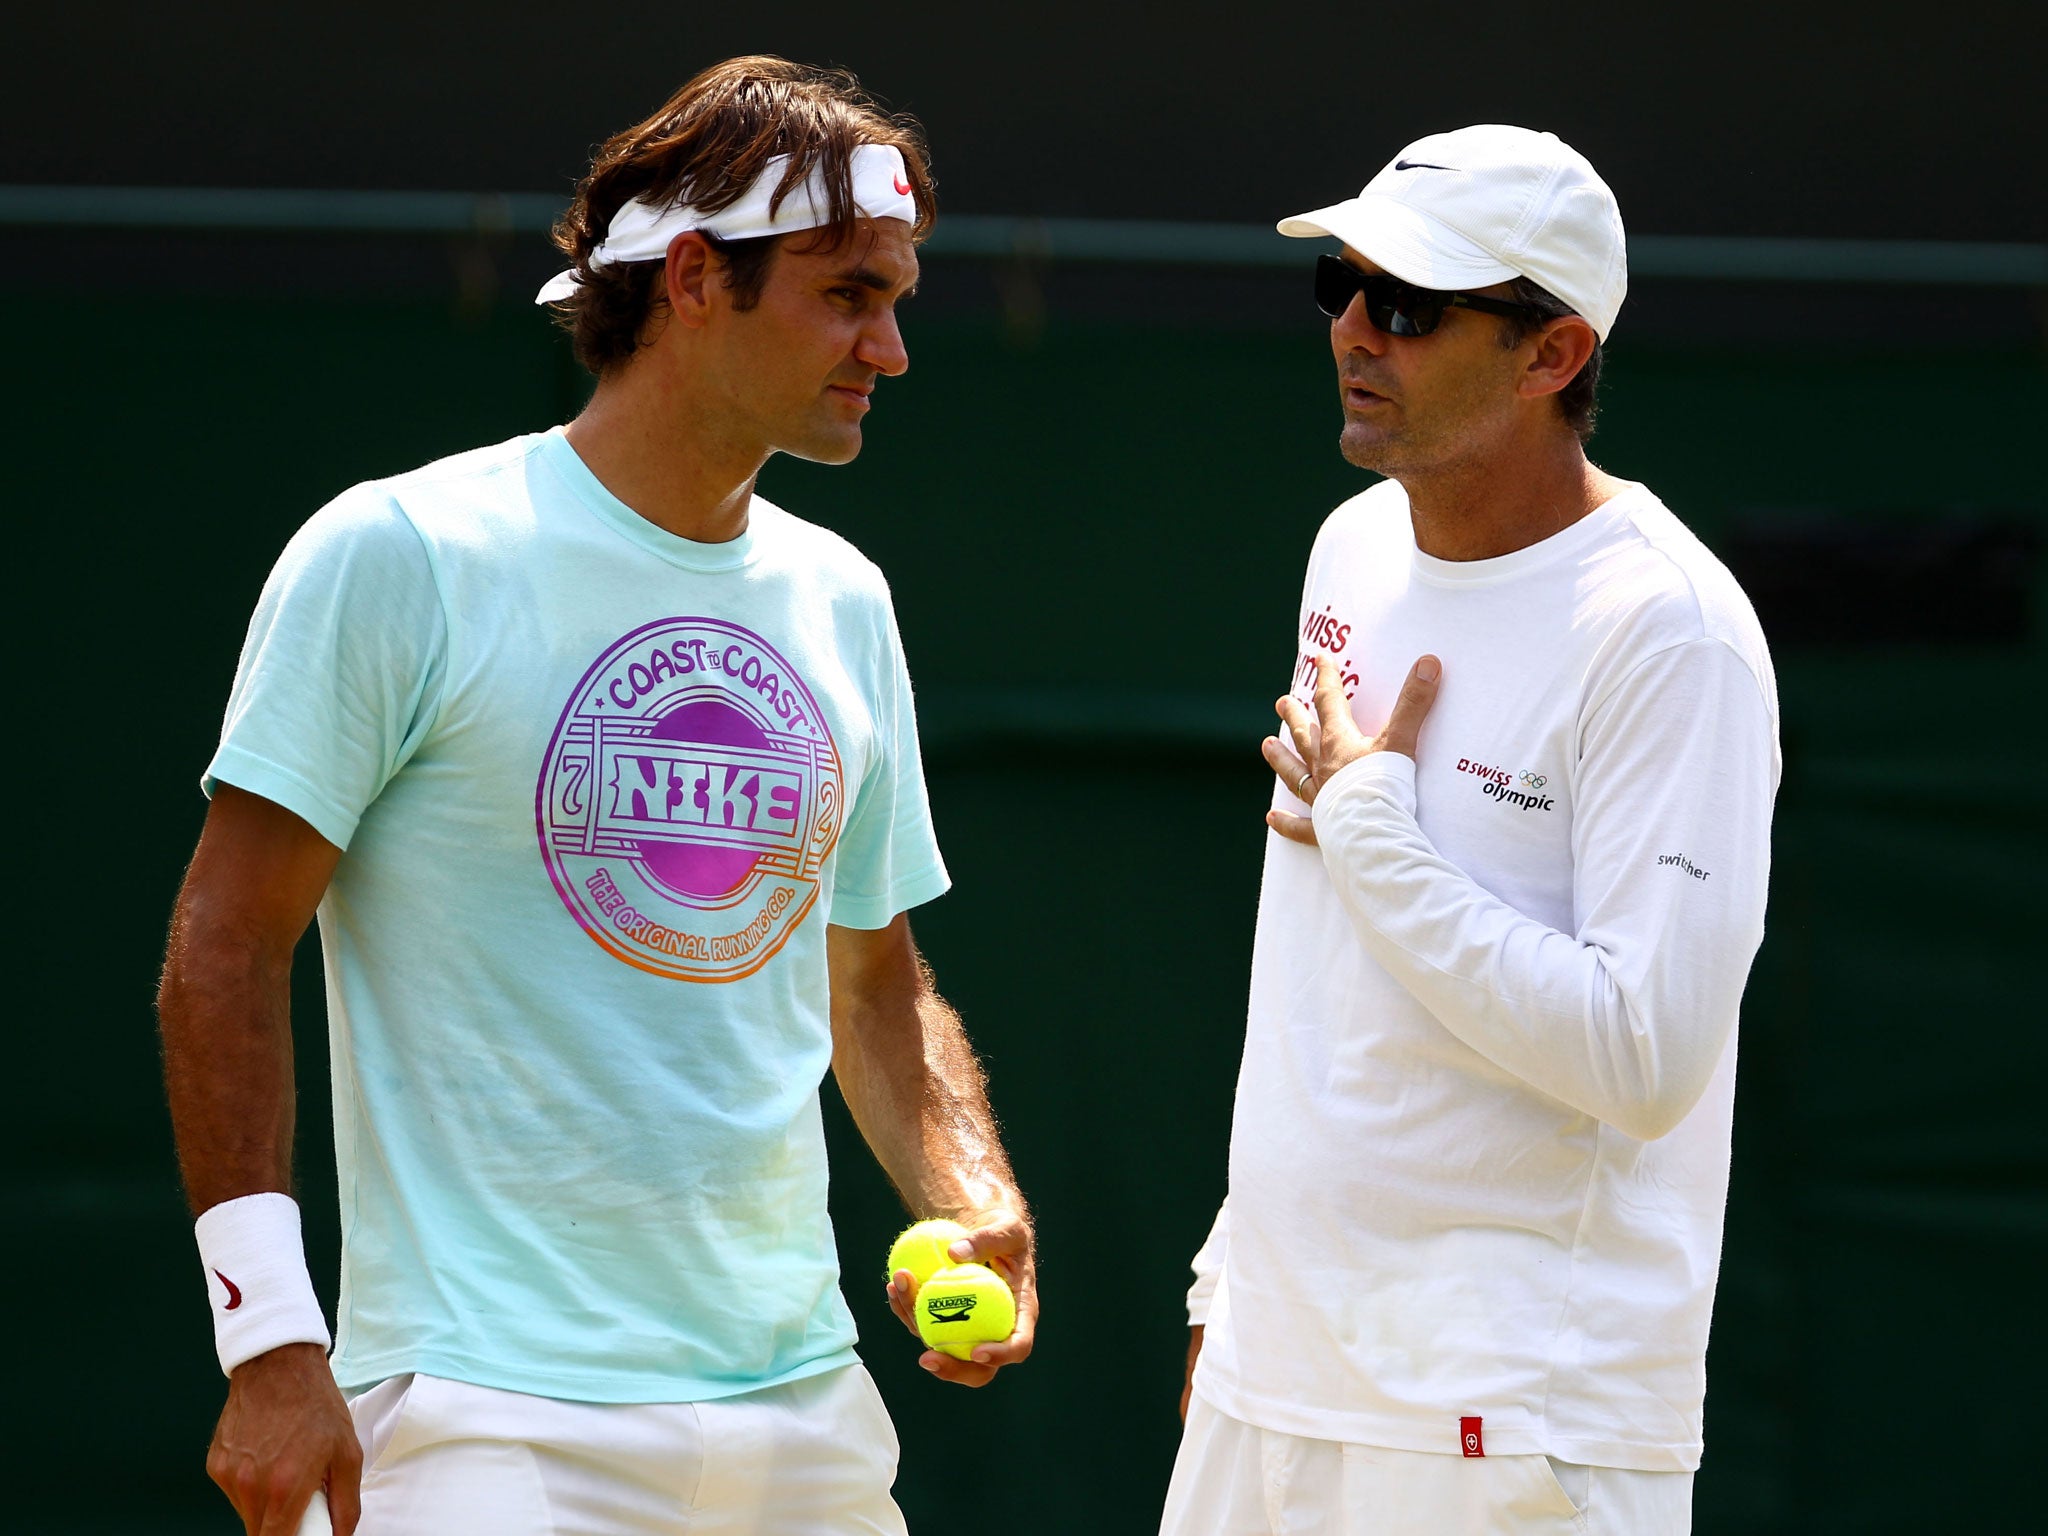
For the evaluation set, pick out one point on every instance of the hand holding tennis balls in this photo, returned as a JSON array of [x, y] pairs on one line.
[[954, 1305], [968, 1292], [964, 1305]]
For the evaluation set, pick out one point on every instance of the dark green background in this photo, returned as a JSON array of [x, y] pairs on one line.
[[1095, 532]]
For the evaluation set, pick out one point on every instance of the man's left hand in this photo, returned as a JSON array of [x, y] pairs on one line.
[[1001, 1239], [1331, 740]]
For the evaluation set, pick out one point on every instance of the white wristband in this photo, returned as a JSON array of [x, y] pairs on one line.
[[255, 1261]]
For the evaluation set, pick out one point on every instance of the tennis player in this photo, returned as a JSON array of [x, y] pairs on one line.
[[1514, 882], [602, 775]]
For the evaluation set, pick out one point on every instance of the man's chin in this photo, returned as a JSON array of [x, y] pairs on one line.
[[838, 448], [1366, 448]]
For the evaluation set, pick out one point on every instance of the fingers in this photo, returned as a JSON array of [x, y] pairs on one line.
[[1333, 708], [987, 1359], [291, 1507], [258, 1492], [1001, 1239], [305, 1515], [1301, 728], [902, 1293], [962, 1373], [343, 1505], [318, 1520], [1296, 829], [1017, 1347], [345, 1499], [1287, 768], [1418, 693], [283, 1434], [281, 1504], [992, 1234]]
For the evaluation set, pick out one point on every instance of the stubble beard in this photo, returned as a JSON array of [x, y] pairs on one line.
[[1453, 431], [1364, 452], [1384, 452]]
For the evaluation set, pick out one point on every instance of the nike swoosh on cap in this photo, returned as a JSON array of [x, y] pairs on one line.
[[1419, 165]]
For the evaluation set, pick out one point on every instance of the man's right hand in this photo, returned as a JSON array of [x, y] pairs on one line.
[[1187, 1387], [284, 1434], [1000, 1237]]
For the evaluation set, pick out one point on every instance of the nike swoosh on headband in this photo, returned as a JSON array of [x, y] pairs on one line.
[[1419, 165]]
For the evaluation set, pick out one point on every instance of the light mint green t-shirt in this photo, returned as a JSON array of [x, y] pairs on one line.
[[600, 791]]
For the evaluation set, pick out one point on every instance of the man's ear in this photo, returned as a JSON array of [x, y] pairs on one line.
[[1562, 347], [691, 269]]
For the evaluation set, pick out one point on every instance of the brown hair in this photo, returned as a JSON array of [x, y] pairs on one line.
[[1576, 400], [706, 146]]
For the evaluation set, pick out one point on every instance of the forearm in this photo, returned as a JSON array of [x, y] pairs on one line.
[[1628, 1033], [958, 1163], [224, 1009], [919, 1096]]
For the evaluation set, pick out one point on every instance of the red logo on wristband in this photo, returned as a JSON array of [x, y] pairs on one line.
[[234, 1291], [1469, 1439]]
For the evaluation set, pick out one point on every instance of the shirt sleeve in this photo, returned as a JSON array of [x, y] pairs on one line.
[[888, 855], [1208, 1267], [1627, 1018], [341, 673]]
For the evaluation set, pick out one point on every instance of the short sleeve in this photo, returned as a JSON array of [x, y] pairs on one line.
[[341, 672], [888, 856]]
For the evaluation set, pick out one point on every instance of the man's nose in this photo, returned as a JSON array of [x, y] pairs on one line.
[[881, 345], [1352, 332]]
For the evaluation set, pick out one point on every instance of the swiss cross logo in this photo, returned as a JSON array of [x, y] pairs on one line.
[[1470, 1441]]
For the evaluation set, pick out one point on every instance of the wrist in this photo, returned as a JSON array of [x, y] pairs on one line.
[[286, 1359], [964, 1196], [254, 1259], [1000, 1202], [1386, 773]]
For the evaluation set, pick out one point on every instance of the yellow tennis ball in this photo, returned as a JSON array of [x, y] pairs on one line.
[[963, 1306], [921, 1249]]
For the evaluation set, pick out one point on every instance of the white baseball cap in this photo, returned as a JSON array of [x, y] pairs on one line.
[[1485, 204]]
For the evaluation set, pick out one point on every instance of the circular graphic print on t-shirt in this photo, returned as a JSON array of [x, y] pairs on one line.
[[689, 796]]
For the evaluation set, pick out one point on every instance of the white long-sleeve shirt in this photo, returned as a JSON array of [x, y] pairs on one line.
[[1480, 1151]]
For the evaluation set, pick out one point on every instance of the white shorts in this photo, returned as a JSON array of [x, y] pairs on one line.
[[1231, 1479], [444, 1458]]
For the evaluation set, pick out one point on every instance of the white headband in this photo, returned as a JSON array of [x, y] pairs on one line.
[[641, 231]]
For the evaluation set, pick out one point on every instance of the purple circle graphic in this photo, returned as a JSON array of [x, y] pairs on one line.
[[689, 799], [703, 869]]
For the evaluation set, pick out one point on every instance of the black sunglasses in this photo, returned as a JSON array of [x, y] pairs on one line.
[[1398, 308]]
